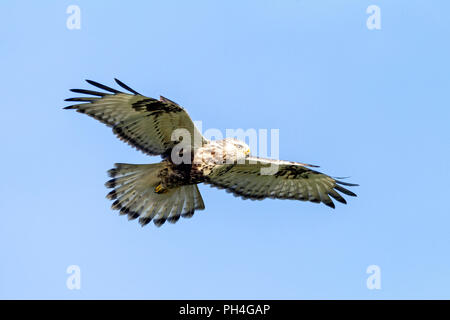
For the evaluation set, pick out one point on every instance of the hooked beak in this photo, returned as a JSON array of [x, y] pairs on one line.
[[247, 152]]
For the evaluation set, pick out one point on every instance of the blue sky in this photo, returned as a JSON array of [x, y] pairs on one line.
[[370, 104]]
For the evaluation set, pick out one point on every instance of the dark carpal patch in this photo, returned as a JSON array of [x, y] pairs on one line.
[[295, 172], [155, 107]]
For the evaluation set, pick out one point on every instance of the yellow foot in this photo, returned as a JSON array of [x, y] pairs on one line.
[[160, 189]]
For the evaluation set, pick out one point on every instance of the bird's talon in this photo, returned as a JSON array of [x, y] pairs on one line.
[[160, 189]]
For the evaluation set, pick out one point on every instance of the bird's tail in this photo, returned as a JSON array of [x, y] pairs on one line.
[[134, 194]]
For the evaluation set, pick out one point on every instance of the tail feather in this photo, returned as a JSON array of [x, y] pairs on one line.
[[198, 200], [134, 194]]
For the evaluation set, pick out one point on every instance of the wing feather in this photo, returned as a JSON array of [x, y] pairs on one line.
[[145, 123], [291, 181]]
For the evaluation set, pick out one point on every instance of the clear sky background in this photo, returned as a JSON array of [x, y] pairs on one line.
[[370, 104]]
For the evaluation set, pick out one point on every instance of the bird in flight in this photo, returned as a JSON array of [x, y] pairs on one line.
[[167, 190]]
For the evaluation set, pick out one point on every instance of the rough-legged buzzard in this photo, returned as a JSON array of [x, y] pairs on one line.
[[168, 190]]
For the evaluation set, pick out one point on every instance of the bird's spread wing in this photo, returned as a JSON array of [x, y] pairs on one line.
[[260, 178], [145, 123]]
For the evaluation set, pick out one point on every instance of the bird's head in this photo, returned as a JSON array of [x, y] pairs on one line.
[[235, 149]]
